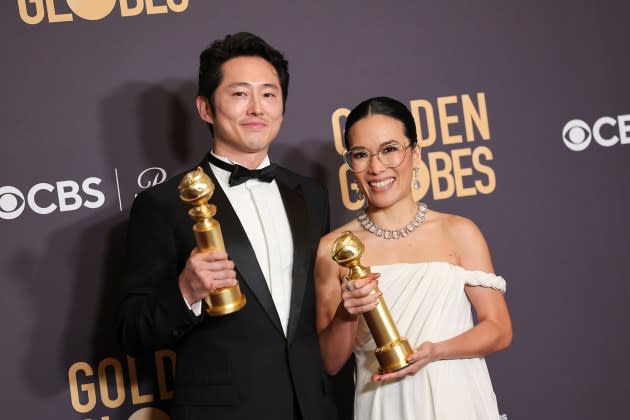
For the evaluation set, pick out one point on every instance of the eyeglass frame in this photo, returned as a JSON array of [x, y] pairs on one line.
[[378, 155]]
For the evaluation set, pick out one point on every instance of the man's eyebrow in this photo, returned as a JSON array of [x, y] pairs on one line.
[[239, 84], [249, 85]]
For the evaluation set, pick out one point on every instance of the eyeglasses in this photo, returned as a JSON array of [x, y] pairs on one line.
[[391, 155]]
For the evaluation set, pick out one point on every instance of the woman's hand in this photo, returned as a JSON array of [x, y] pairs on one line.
[[358, 296], [425, 354]]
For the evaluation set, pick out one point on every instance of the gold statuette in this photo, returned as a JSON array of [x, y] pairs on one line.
[[196, 188], [392, 350]]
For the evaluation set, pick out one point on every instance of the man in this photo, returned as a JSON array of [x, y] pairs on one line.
[[263, 361]]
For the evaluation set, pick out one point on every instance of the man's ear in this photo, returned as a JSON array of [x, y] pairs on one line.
[[204, 109]]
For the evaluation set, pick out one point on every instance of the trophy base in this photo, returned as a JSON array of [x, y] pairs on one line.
[[225, 301], [393, 356]]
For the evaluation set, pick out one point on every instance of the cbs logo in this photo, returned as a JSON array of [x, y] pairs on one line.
[[42, 200], [607, 131], [34, 11]]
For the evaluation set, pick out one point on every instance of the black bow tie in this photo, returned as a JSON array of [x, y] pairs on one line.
[[240, 174]]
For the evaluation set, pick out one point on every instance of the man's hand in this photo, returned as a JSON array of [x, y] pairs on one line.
[[204, 273]]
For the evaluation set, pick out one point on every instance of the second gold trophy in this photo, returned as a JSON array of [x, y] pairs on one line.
[[392, 350], [196, 188]]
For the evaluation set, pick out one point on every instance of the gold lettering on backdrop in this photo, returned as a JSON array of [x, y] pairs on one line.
[[177, 7], [337, 128], [441, 172], [28, 18], [53, 17], [127, 11], [91, 10], [484, 169], [33, 12], [104, 383], [160, 357], [454, 172], [460, 172], [136, 397], [87, 389], [415, 107], [446, 120], [155, 10], [109, 387], [477, 115]]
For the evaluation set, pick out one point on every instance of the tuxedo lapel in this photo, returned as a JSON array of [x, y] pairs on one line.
[[295, 207], [240, 250]]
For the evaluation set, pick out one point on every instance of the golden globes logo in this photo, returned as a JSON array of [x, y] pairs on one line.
[[34, 12], [460, 169]]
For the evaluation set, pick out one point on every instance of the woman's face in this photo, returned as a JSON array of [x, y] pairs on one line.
[[382, 184]]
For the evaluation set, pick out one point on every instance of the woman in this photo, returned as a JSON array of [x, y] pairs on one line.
[[429, 267]]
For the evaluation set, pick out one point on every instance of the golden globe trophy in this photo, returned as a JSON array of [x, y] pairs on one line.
[[196, 188], [392, 350]]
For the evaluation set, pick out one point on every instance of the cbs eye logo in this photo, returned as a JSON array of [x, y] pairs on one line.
[[34, 11], [576, 135], [10, 206], [607, 132]]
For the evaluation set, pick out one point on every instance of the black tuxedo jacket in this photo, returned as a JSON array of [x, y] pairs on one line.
[[237, 366]]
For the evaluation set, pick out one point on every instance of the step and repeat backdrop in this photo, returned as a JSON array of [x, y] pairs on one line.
[[523, 112]]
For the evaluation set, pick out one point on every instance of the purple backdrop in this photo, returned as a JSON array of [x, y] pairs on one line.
[[523, 110]]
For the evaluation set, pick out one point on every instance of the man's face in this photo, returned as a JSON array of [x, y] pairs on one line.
[[248, 108]]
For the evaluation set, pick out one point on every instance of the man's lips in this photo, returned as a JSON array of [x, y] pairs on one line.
[[254, 124]]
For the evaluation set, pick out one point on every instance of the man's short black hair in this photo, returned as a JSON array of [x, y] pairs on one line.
[[238, 45]]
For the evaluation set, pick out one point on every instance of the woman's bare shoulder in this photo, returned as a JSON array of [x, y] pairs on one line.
[[453, 225], [463, 237]]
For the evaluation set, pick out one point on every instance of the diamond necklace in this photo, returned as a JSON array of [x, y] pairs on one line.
[[372, 227]]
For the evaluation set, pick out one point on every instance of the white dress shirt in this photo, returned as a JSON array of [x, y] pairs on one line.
[[260, 209]]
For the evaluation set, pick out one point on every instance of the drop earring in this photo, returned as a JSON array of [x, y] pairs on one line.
[[416, 178], [360, 195]]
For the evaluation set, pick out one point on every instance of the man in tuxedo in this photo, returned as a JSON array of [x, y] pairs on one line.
[[262, 361]]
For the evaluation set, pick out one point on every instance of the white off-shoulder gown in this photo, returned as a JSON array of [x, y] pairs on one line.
[[428, 303]]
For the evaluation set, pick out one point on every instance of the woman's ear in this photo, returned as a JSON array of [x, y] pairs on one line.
[[417, 154]]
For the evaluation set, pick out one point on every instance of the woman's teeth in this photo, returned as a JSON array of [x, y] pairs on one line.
[[382, 184]]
